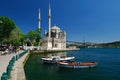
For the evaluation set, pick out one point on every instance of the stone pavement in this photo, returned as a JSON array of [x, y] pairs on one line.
[[18, 69], [4, 61]]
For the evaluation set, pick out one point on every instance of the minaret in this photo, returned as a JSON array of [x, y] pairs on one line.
[[39, 20], [49, 21]]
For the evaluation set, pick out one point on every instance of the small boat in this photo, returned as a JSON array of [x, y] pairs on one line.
[[77, 64], [55, 59]]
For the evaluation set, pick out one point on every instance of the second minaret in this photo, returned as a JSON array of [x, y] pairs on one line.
[[49, 22], [39, 20]]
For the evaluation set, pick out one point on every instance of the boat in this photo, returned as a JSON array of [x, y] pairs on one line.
[[55, 59], [77, 64]]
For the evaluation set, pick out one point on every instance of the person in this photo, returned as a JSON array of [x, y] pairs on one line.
[[6, 51], [14, 49]]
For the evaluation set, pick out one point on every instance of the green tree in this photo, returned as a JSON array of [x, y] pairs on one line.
[[6, 27], [17, 37], [33, 37]]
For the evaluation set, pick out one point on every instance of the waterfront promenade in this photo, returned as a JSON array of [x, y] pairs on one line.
[[4, 61], [18, 69]]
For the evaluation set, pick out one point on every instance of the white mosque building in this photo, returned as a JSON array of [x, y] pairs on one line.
[[55, 38]]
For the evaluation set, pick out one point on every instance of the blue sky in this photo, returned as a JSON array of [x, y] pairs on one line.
[[92, 20]]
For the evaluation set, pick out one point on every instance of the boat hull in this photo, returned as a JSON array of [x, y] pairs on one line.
[[55, 59], [83, 65], [68, 66]]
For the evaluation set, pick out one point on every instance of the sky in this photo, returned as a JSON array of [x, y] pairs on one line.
[[90, 20]]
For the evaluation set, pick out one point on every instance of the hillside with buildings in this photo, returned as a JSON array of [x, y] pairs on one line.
[[115, 44]]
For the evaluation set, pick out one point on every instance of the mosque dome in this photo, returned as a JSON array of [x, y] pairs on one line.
[[55, 28]]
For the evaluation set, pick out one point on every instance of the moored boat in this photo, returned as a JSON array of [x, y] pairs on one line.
[[55, 59], [77, 64]]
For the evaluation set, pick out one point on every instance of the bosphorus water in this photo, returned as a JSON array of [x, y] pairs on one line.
[[108, 67]]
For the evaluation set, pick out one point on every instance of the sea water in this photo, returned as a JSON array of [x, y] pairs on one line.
[[108, 67]]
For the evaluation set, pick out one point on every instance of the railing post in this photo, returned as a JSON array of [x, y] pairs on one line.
[[4, 76]]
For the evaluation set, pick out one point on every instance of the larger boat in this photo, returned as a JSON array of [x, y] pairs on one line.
[[77, 64], [55, 59]]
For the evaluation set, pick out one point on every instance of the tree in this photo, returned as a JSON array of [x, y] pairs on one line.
[[6, 27], [33, 36], [17, 37]]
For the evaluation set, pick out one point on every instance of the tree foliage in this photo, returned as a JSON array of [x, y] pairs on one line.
[[6, 27], [17, 37], [11, 34], [33, 36]]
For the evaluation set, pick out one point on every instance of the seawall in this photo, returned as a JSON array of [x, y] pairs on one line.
[[47, 51], [18, 69]]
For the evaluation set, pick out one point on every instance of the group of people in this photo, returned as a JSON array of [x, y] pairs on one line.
[[10, 50]]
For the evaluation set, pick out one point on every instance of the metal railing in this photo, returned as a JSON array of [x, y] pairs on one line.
[[7, 75]]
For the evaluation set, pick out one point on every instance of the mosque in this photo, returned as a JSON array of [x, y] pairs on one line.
[[55, 38]]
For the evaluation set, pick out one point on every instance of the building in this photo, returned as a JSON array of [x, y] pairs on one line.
[[55, 38]]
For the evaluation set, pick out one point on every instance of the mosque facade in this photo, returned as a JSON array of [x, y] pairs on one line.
[[54, 38]]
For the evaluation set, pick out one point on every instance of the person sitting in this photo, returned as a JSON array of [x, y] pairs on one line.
[[6, 51]]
